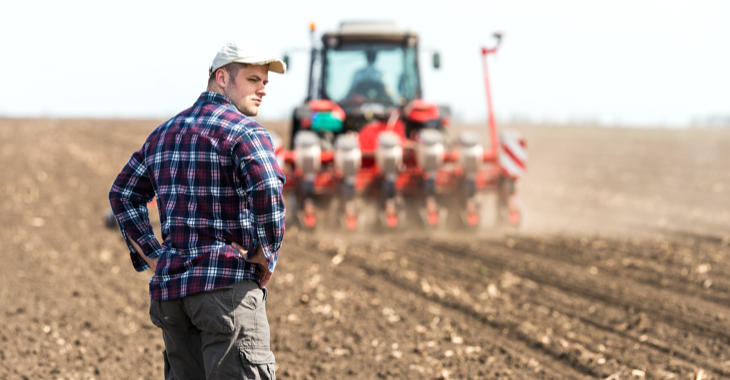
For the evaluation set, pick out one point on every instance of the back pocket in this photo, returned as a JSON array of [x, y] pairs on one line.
[[212, 311]]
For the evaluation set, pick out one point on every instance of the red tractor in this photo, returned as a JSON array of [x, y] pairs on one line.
[[365, 133]]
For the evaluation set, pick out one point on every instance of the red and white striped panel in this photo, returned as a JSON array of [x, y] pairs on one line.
[[513, 154]]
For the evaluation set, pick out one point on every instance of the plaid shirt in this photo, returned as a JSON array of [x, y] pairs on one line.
[[216, 180]]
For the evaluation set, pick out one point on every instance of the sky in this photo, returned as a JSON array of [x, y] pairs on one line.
[[627, 63]]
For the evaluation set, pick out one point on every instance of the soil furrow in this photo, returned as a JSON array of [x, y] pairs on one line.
[[346, 276], [586, 318], [507, 341], [572, 279], [665, 272]]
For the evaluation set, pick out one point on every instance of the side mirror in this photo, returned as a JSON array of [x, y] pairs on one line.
[[286, 61], [436, 60]]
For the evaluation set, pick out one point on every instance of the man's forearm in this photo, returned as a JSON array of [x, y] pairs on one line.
[[264, 183], [136, 228], [268, 215], [128, 198]]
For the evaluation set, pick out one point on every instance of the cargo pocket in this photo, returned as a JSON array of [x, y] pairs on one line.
[[258, 364]]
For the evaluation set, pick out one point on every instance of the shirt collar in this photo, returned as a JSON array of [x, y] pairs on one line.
[[214, 97]]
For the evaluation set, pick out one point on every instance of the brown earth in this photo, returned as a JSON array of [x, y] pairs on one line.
[[621, 268]]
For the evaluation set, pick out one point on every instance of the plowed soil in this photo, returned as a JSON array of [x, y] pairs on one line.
[[621, 269]]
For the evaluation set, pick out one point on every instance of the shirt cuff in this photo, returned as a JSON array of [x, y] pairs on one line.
[[271, 251], [150, 246], [139, 264]]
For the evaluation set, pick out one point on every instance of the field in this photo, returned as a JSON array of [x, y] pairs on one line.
[[621, 269]]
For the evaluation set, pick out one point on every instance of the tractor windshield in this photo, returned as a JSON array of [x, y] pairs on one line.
[[371, 72]]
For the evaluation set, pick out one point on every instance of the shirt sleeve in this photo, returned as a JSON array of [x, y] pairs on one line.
[[263, 181], [130, 193]]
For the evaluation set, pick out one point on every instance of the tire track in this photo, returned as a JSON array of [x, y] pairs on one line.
[[664, 274], [571, 278], [345, 275], [587, 318], [653, 343]]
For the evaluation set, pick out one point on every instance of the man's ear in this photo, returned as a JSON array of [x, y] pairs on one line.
[[222, 78]]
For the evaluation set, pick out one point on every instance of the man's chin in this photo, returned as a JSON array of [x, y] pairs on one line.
[[250, 111]]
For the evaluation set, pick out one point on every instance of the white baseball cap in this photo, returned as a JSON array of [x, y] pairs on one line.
[[245, 52]]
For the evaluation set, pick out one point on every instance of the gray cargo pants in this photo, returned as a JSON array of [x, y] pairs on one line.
[[217, 334]]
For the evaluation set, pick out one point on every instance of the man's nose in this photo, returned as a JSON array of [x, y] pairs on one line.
[[261, 91]]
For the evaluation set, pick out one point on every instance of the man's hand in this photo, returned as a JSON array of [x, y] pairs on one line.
[[151, 262], [257, 258]]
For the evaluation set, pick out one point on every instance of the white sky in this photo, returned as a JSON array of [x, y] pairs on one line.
[[617, 62]]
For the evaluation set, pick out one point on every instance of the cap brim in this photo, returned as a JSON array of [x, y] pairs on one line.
[[276, 65]]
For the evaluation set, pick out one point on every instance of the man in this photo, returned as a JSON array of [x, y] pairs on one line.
[[369, 72], [218, 189], [368, 81]]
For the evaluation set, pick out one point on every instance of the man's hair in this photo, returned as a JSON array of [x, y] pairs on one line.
[[232, 69]]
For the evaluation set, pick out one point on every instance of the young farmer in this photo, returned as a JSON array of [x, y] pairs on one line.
[[218, 190]]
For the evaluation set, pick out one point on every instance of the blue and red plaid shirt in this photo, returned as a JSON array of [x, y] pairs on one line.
[[216, 179]]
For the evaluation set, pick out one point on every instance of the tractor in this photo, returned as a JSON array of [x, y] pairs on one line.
[[364, 136]]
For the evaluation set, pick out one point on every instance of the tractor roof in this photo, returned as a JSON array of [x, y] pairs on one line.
[[370, 31]]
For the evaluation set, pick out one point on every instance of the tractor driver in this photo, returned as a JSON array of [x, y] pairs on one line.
[[369, 72], [368, 81]]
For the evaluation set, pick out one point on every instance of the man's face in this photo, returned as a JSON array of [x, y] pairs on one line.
[[248, 89]]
